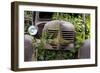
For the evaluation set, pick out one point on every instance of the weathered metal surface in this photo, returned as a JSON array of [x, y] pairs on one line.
[[28, 49], [65, 32], [85, 50]]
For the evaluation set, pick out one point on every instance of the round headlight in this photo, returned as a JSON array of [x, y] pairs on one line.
[[32, 30]]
